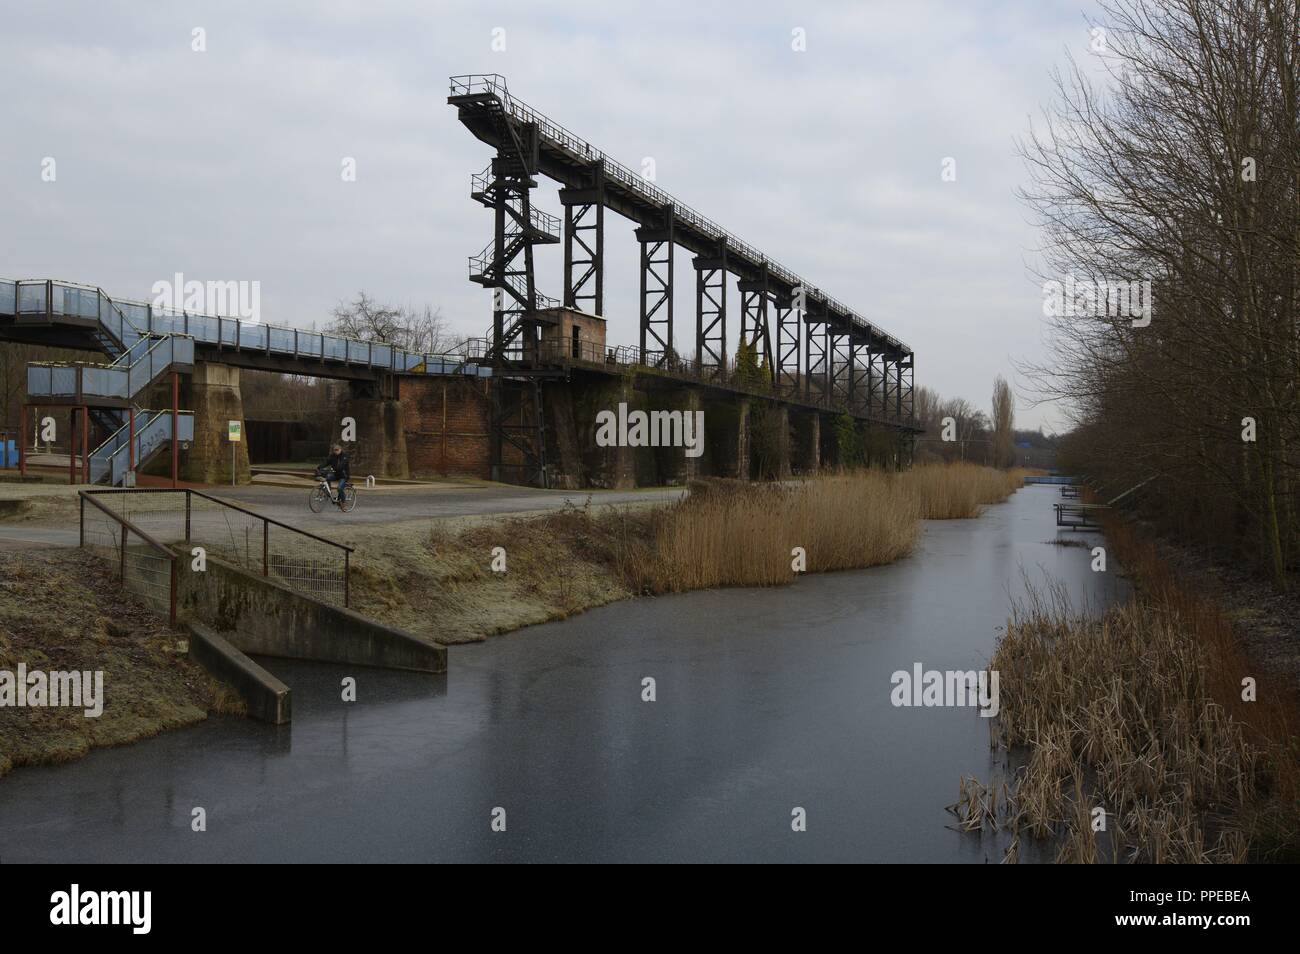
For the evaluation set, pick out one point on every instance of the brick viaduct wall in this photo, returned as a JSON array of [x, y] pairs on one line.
[[441, 426], [446, 426], [446, 422]]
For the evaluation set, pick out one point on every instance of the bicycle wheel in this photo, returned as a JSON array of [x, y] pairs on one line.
[[319, 498], [349, 499]]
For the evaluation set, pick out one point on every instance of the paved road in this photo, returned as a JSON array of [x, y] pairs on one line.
[[387, 505]]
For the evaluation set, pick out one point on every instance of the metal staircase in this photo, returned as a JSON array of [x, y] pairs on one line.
[[513, 345], [112, 460], [109, 392]]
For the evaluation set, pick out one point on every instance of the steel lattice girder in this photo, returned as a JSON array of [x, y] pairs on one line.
[[839, 357], [907, 414], [816, 366], [754, 295], [711, 311], [903, 402], [482, 104], [787, 342], [657, 291], [584, 243], [886, 389], [859, 370]]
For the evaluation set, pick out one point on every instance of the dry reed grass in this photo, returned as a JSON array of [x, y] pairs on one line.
[[960, 490], [740, 534], [744, 535], [1138, 712]]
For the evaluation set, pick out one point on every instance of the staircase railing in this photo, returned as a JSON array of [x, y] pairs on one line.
[[133, 371], [480, 266], [111, 460]]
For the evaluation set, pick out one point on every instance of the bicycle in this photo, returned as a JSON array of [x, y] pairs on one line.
[[323, 494]]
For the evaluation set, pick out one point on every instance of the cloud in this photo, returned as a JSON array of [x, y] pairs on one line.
[[225, 164]]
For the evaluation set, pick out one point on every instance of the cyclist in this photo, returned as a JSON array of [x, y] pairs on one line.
[[339, 463]]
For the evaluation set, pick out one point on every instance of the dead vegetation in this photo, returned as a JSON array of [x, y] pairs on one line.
[[64, 610], [1140, 713], [723, 533]]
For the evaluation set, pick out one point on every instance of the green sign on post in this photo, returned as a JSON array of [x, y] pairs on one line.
[[236, 433]]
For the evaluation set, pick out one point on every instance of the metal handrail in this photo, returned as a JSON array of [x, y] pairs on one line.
[[400, 359], [267, 523], [129, 527], [495, 84]]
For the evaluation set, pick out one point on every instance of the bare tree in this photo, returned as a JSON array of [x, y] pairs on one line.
[[416, 329], [1184, 172]]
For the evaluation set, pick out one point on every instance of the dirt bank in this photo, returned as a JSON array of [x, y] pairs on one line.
[[62, 610]]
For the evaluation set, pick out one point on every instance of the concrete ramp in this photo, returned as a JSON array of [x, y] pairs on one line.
[[268, 699], [265, 618], [232, 613]]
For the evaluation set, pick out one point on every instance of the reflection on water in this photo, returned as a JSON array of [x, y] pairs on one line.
[[767, 700]]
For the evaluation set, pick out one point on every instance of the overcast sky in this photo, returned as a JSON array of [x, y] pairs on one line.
[[225, 164]]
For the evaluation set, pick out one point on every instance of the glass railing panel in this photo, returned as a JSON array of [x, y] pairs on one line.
[[335, 347], [281, 339], [38, 380], [183, 350], [63, 380], [252, 336], [8, 298], [104, 381], [309, 343], [357, 350], [166, 322], [136, 314], [140, 376], [204, 328], [381, 355], [31, 298], [229, 329]]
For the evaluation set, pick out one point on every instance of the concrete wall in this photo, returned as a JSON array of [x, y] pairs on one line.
[[262, 617], [379, 447], [563, 454], [806, 449], [268, 699], [215, 399]]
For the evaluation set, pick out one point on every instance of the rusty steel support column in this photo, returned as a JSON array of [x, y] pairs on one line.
[[176, 444], [657, 291], [85, 444], [711, 313]]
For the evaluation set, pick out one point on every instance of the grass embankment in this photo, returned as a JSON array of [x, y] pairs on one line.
[[438, 583], [1140, 712], [63, 610]]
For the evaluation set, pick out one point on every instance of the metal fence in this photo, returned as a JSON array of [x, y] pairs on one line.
[[145, 566], [306, 563]]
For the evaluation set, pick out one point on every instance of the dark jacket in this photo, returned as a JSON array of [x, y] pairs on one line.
[[340, 463]]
